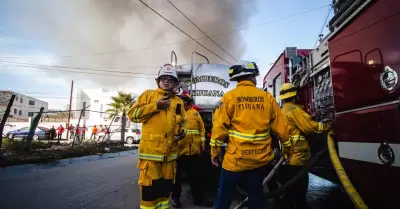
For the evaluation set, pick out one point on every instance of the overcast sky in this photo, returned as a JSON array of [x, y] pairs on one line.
[[99, 36]]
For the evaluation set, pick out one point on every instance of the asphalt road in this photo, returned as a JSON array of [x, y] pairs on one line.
[[112, 184], [108, 183]]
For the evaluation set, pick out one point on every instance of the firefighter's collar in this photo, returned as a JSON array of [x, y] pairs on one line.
[[245, 83], [294, 104], [163, 92]]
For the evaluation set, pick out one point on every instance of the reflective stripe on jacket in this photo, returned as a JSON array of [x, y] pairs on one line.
[[158, 129], [195, 133], [245, 117], [300, 122]]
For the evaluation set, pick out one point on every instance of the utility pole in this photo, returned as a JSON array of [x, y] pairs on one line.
[[32, 129], [5, 116], [69, 108]]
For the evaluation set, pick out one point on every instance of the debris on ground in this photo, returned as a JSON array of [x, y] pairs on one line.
[[12, 153]]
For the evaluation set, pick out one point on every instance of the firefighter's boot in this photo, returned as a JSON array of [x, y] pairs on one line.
[[176, 203]]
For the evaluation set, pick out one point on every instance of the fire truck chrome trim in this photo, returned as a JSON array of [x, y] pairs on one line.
[[389, 79], [368, 152], [368, 107], [350, 18]]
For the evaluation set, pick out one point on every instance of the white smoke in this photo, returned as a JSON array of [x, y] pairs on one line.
[[140, 41]]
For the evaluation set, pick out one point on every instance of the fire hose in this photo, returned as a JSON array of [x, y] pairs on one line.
[[290, 183], [348, 186]]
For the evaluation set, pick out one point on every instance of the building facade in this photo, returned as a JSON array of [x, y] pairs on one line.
[[23, 106], [97, 102]]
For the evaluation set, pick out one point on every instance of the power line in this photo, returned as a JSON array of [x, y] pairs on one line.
[[75, 68], [92, 73], [39, 92], [323, 25], [169, 44], [183, 32], [201, 30], [271, 21]]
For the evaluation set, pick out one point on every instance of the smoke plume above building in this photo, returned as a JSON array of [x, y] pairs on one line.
[[96, 37]]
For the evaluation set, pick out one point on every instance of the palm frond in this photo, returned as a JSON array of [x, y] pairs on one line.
[[121, 103]]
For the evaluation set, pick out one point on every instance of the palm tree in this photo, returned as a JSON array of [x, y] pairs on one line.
[[121, 105]]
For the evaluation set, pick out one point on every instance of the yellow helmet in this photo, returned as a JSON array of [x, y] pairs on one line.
[[287, 90]]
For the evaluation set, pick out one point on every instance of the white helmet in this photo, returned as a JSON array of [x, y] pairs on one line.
[[242, 68], [168, 70]]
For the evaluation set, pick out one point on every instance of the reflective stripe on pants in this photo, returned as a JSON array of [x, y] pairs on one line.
[[155, 180], [158, 158]]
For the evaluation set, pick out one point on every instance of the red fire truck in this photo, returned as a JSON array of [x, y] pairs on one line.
[[351, 77]]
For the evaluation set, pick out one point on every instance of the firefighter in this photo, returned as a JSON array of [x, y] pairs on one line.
[[300, 124], [189, 157], [156, 109], [245, 117]]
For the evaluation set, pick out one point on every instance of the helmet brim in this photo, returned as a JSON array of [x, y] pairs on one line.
[[236, 77], [287, 95]]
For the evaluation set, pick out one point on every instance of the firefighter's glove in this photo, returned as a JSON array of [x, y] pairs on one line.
[[180, 135], [163, 103], [329, 124]]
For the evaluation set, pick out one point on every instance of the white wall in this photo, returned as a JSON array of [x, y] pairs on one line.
[[98, 99], [22, 105]]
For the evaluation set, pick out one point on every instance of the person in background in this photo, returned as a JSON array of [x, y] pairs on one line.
[[78, 133], [106, 132], [71, 131], [94, 132], [157, 110], [83, 137], [60, 131], [101, 128], [188, 161], [246, 116], [300, 124], [52, 133]]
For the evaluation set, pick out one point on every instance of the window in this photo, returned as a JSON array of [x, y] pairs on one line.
[[277, 85], [30, 114], [15, 111], [16, 98], [84, 112], [31, 102], [96, 101], [20, 112], [351, 56], [374, 57]]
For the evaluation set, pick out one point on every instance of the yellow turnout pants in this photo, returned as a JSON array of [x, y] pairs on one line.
[[155, 181]]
